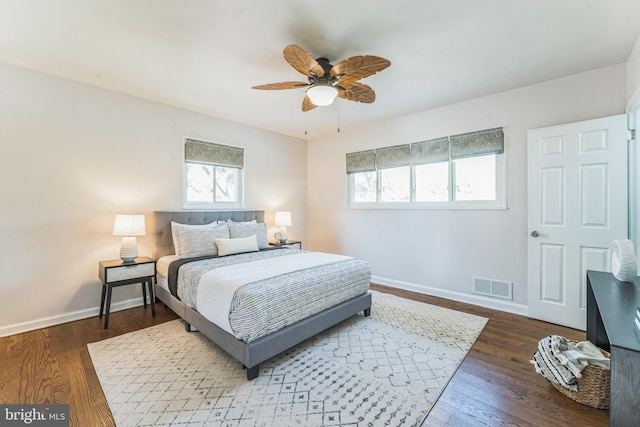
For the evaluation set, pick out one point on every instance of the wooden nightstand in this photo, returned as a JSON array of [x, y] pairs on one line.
[[288, 244], [116, 273]]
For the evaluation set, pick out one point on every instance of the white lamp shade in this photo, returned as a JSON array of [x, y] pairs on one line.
[[322, 95], [129, 225], [282, 219]]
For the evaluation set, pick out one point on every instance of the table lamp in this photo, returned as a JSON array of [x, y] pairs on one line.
[[129, 226], [282, 220]]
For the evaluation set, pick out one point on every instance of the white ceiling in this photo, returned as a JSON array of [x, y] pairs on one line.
[[205, 55]]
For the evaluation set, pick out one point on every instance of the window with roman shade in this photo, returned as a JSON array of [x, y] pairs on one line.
[[213, 174], [446, 171]]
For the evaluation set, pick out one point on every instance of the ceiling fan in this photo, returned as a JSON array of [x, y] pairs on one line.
[[327, 81]]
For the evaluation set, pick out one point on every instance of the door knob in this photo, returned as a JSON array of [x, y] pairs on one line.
[[534, 233]]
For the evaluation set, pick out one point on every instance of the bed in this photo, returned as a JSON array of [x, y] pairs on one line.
[[250, 349]]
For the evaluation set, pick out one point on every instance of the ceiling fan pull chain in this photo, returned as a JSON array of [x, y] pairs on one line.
[[305, 122], [338, 117]]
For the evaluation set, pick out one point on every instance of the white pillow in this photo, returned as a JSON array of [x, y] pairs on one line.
[[237, 246], [191, 241], [246, 229]]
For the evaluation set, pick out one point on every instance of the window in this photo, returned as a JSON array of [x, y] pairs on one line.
[[461, 171], [365, 186], [475, 178], [395, 184], [213, 175], [432, 182]]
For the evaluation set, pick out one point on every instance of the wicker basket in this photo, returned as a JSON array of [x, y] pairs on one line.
[[593, 387]]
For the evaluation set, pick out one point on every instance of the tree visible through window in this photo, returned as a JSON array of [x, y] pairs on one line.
[[199, 182], [365, 186], [432, 182], [395, 184], [475, 178]]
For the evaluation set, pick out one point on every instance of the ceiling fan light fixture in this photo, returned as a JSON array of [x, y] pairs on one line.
[[322, 95]]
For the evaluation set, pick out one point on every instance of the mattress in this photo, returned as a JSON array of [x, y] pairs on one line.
[[162, 270], [254, 294]]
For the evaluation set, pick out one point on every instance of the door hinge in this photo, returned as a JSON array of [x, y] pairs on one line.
[[631, 134]]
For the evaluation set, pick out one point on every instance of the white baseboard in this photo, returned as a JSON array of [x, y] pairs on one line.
[[509, 307], [45, 322]]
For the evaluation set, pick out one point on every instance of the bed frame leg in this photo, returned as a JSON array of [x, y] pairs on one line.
[[187, 326], [252, 373], [367, 312]]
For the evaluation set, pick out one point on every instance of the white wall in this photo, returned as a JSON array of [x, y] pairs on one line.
[[633, 77], [72, 156], [438, 251]]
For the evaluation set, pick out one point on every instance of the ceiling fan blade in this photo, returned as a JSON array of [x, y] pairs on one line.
[[302, 61], [307, 104], [358, 92], [283, 85], [359, 67]]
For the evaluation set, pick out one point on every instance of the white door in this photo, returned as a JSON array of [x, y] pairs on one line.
[[577, 206]]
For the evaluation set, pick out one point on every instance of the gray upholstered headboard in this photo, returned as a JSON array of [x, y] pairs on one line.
[[161, 225]]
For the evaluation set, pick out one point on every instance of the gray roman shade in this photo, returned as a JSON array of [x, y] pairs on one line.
[[433, 151], [213, 154], [472, 144], [393, 157], [361, 161], [481, 143]]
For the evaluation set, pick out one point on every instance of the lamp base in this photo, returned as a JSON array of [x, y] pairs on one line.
[[128, 249], [283, 235]]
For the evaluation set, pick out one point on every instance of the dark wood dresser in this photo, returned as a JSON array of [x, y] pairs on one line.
[[611, 310]]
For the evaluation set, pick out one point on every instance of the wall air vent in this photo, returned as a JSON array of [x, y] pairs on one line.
[[492, 288]]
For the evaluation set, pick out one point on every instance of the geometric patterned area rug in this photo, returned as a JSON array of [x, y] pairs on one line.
[[384, 370]]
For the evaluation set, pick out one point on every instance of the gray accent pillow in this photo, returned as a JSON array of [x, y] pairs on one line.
[[197, 240], [247, 229]]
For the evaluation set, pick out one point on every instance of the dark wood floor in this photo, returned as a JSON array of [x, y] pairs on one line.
[[495, 385]]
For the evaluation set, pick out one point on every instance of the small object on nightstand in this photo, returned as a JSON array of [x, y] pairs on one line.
[[287, 244], [116, 273]]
